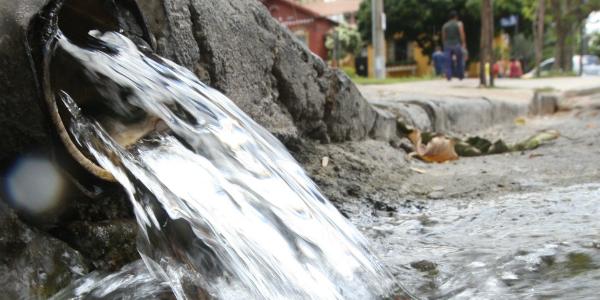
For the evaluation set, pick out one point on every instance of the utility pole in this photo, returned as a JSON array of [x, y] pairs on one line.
[[492, 57], [377, 20]]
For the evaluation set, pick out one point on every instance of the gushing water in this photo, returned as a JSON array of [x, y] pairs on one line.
[[224, 211]]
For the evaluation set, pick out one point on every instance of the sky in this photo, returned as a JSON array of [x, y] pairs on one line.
[[593, 24]]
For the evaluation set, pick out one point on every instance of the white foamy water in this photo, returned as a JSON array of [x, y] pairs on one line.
[[224, 210]]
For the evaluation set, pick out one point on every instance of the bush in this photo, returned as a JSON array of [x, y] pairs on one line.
[[349, 39]]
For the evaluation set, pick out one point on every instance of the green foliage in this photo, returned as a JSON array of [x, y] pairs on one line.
[[422, 20], [594, 44], [350, 71], [523, 50], [350, 41]]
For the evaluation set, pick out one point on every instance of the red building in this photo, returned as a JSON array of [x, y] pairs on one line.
[[309, 26]]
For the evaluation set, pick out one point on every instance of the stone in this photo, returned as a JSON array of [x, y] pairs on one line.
[[238, 48], [424, 265], [108, 244], [544, 103], [34, 265], [22, 123], [385, 126], [234, 46]]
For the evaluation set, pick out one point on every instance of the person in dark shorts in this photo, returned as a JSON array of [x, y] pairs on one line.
[[438, 61], [453, 37]]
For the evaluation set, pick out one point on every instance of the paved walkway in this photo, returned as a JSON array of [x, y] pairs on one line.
[[463, 107], [510, 90]]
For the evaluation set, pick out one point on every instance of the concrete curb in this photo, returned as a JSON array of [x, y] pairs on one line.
[[452, 114], [461, 115]]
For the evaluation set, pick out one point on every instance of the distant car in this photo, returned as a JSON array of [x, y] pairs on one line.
[[591, 66]]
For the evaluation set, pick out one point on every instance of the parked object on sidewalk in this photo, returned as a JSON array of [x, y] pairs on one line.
[[515, 69], [499, 69], [591, 66]]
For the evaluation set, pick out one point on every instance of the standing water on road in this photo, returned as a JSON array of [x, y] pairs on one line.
[[540, 245], [224, 211]]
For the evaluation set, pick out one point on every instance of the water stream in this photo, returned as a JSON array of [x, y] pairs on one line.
[[538, 245], [224, 211]]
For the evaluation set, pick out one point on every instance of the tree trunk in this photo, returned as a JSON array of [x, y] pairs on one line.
[[538, 33], [559, 51], [491, 52], [483, 43], [487, 37], [583, 20]]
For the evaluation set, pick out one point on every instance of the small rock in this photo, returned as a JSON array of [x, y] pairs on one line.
[[325, 162], [424, 265], [435, 195], [354, 190]]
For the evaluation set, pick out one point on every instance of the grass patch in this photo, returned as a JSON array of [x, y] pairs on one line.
[[375, 81], [546, 89], [554, 74]]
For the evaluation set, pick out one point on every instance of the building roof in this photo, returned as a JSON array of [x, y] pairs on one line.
[[306, 10], [332, 8]]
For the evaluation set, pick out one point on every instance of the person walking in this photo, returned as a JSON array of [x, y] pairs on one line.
[[455, 43], [439, 61]]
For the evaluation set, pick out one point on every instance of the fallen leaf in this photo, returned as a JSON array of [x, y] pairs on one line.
[[591, 126], [440, 149], [415, 137], [537, 140], [466, 150], [520, 121], [534, 155]]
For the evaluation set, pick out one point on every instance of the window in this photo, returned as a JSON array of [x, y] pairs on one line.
[[302, 36], [398, 52]]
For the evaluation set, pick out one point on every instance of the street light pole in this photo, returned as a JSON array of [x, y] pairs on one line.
[[377, 20]]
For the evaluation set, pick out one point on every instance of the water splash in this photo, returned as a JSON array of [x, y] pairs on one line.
[[221, 204]]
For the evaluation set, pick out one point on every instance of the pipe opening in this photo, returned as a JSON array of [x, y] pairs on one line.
[[59, 72]]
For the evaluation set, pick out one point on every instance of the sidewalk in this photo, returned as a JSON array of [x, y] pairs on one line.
[[462, 107]]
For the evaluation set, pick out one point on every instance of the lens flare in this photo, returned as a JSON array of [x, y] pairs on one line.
[[35, 185]]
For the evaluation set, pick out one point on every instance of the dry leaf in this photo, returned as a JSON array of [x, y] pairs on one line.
[[415, 137], [440, 149], [520, 121]]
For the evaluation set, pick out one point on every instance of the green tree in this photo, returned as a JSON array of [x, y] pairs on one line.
[[594, 44], [349, 41], [568, 17]]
